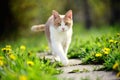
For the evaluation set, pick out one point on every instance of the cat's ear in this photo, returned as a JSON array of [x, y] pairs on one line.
[[55, 14], [69, 14]]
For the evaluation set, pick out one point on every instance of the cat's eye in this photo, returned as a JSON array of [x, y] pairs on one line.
[[59, 24], [66, 23]]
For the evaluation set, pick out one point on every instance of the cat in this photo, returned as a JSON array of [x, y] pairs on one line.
[[58, 30]]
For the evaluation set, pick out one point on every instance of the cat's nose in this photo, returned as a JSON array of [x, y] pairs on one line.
[[63, 29]]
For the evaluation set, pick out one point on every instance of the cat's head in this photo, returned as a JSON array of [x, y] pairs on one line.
[[62, 23]]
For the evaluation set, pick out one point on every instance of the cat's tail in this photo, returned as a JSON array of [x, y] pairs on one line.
[[37, 28]]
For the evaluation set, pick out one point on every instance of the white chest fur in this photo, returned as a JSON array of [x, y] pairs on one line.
[[60, 42], [60, 36]]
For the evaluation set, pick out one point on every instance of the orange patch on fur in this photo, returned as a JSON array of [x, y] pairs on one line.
[[57, 21], [67, 21]]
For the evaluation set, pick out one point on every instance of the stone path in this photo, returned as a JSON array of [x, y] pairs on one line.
[[77, 71], [85, 72]]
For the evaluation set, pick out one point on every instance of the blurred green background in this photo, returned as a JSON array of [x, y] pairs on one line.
[[17, 16]]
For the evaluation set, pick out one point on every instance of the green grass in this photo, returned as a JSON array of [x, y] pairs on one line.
[[21, 63], [97, 46]]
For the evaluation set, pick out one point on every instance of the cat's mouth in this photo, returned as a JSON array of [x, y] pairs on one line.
[[63, 29]]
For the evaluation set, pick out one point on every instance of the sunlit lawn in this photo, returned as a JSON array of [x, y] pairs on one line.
[[18, 58]]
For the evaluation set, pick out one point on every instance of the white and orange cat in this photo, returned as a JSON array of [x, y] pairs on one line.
[[58, 30]]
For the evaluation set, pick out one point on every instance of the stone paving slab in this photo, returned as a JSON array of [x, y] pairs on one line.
[[81, 68], [74, 62], [92, 75], [89, 74]]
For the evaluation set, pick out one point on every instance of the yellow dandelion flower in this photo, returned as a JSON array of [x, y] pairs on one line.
[[118, 34], [1, 57], [3, 49], [115, 66], [1, 63], [30, 63], [22, 77], [22, 47], [98, 55], [11, 56], [118, 74], [111, 41], [8, 49], [8, 46], [106, 50]]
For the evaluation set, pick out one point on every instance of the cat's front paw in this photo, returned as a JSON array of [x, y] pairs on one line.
[[57, 58], [65, 62]]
